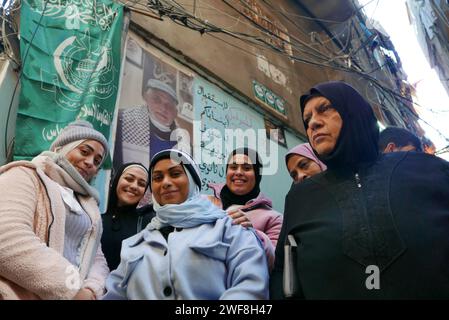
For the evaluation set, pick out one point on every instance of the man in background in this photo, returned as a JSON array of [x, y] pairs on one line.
[[394, 139]]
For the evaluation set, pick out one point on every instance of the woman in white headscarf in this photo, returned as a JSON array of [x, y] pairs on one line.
[[191, 249]]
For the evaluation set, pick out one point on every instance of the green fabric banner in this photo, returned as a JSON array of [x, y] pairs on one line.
[[70, 52]]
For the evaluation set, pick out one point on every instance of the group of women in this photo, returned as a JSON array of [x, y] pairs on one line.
[[182, 246], [190, 232], [185, 245]]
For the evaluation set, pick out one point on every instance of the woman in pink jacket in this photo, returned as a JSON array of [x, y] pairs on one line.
[[50, 225], [241, 198]]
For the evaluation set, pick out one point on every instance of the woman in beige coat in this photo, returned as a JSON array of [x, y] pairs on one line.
[[50, 225]]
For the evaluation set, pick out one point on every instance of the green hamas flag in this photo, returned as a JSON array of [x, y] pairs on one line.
[[70, 53]]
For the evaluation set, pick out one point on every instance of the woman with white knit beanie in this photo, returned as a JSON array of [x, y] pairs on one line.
[[50, 224]]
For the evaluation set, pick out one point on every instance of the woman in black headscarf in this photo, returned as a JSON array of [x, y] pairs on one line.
[[122, 220], [241, 198], [371, 226]]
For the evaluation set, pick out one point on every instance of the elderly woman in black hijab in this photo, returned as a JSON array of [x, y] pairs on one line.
[[371, 226], [122, 219]]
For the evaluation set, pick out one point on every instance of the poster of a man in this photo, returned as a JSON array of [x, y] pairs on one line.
[[152, 114]]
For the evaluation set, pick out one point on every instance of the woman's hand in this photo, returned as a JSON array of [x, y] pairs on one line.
[[239, 217], [84, 294]]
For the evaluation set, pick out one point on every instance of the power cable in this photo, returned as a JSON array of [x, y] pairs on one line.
[[316, 19], [180, 16], [264, 29]]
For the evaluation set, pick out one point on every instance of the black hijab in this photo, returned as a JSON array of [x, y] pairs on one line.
[[357, 142], [228, 198], [113, 200]]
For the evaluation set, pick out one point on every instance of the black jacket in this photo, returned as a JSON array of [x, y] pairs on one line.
[[120, 223], [389, 212], [398, 220], [119, 226]]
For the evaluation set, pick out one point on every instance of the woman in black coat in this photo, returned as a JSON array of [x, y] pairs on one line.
[[123, 219], [370, 227]]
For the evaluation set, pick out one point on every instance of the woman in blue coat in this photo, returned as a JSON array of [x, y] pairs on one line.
[[191, 249]]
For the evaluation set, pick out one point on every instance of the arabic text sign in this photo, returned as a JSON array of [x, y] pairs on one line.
[[224, 124]]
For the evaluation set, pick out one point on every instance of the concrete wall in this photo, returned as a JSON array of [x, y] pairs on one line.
[[233, 64], [237, 63]]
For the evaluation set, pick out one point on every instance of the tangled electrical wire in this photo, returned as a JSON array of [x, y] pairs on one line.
[[344, 60], [305, 52]]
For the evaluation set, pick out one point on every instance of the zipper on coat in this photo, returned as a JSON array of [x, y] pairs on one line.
[[357, 180], [365, 216]]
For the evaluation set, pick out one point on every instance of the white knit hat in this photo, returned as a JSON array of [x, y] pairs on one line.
[[79, 130]]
